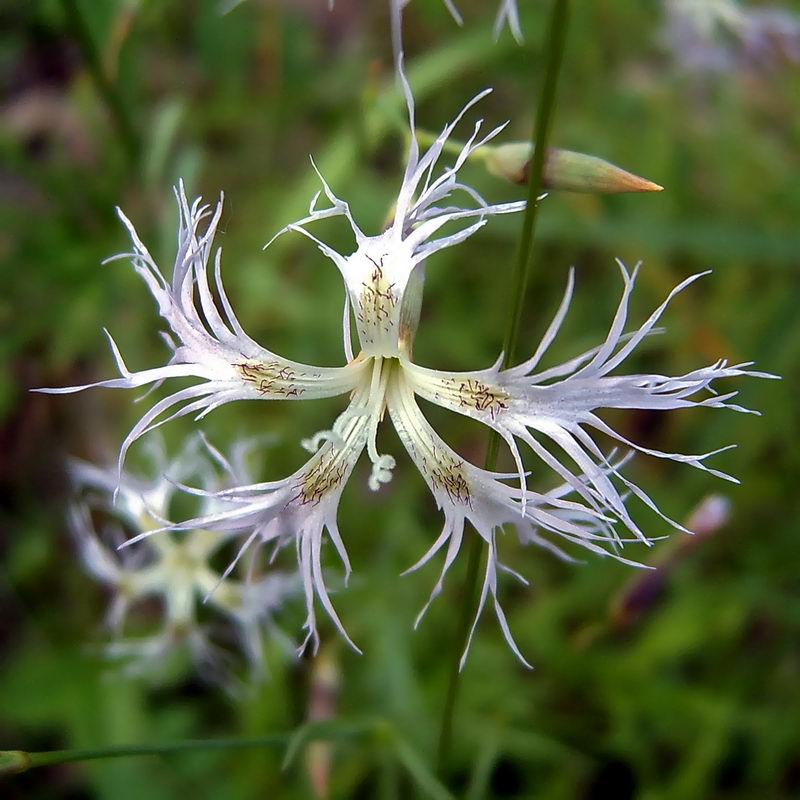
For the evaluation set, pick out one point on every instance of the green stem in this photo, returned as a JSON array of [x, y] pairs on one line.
[[559, 22], [108, 90], [12, 761], [462, 632], [380, 731], [556, 40]]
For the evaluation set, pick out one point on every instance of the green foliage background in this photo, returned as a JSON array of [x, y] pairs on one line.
[[698, 696]]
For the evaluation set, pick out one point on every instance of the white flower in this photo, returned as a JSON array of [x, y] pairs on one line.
[[553, 411], [175, 569], [557, 405], [507, 14], [718, 35]]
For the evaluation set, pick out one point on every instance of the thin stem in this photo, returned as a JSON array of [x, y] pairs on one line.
[[462, 632], [46, 759], [12, 761], [557, 35], [107, 89], [556, 39]]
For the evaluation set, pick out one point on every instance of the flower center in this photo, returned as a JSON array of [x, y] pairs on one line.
[[337, 449]]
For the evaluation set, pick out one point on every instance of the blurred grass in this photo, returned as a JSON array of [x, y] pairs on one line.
[[701, 698]]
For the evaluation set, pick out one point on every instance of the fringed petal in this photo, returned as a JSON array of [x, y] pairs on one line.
[[211, 344], [561, 404], [466, 493]]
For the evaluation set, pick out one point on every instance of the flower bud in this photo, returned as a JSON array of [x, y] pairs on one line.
[[564, 170], [12, 762]]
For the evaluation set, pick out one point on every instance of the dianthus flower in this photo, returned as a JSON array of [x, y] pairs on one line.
[[554, 411], [507, 14], [720, 35], [174, 569]]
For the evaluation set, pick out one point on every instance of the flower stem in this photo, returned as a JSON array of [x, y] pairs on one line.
[[376, 730], [556, 40], [15, 761], [467, 611]]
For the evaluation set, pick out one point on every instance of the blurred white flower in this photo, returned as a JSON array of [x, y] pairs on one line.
[[175, 569], [553, 411], [720, 35], [507, 14]]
